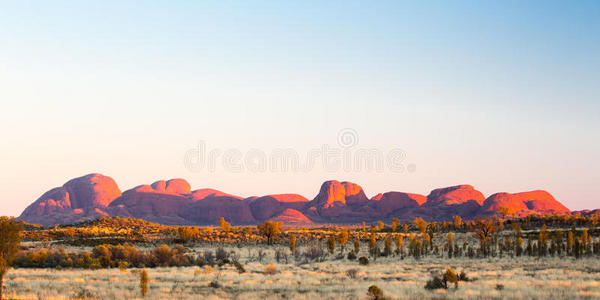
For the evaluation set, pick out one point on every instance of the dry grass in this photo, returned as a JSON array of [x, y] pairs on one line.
[[522, 278]]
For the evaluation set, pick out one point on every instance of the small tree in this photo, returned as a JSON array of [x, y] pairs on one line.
[[457, 222], [421, 224], [269, 229], [484, 229], [331, 244], [400, 244], [450, 244], [144, 282], [570, 242], [343, 239], [356, 246], [380, 225], [10, 239], [293, 244], [395, 223], [388, 246], [225, 226], [373, 248]]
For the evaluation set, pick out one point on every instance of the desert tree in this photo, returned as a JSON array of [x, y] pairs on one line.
[[484, 230], [373, 245], [450, 244], [293, 244], [584, 240], [421, 224], [225, 226], [457, 222], [343, 239], [519, 246], [10, 239], [570, 242], [331, 244], [388, 243], [395, 223], [380, 225], [144, 283], [269, 229], [543, 240], [400, 245], [356, 246]]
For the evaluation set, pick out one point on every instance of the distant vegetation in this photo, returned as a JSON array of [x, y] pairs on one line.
[[126, 243], [113, 241]]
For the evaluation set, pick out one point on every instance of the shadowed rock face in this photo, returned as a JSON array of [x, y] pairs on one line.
[[292, 216], [265, 207], [392, 201], [174, 202], [208, 211]]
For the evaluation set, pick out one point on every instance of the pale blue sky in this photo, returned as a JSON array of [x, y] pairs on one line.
[[502, 95]]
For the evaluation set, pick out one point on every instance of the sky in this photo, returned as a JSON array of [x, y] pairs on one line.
[[502, 95]]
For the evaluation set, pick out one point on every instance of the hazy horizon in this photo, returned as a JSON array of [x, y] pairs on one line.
[[500, 95]]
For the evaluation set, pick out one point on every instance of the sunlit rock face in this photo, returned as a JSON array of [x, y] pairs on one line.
[[521, 204], [81, 198], [174, 202], [343, 192]]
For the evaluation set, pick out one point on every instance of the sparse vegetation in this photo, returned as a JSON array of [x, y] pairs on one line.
[[529, 244]]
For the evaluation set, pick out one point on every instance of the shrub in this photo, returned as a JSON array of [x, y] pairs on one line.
[[313, 252], [450, 276], [214, 284], [351, 256], [209, 258], [270, 269], [280, 254], [352, 273], [221, 254], [435, 283], [375, 293], [223, 262], [463, 276], [363, 261], [239, 267]]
